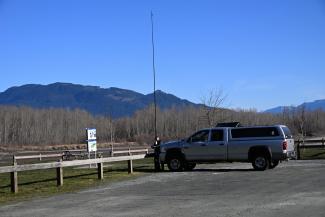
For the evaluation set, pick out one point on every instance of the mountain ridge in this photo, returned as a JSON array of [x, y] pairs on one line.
[[309, 106], [113, 101]]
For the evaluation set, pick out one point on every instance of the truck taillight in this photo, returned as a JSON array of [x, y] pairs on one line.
[[284, 145]]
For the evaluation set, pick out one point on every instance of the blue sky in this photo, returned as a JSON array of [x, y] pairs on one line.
[[261, 53]]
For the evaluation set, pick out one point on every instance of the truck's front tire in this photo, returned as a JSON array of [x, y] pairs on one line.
[[261, 162], [175, 163]]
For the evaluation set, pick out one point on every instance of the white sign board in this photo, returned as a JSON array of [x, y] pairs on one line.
[[91, 134], [91, 140], [92, 146]]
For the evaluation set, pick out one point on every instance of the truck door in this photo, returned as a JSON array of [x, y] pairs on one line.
[[217, 146], [195, 147]]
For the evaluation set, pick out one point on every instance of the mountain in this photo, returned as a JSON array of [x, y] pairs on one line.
[[113, 101], [317, 104], [279, 109], [311, 106]]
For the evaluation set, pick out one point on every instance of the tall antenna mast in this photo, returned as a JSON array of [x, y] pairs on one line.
[[154, 74]]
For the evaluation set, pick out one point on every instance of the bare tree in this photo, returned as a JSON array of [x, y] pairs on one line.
[[300, 120], [26, 126], [212, 106]]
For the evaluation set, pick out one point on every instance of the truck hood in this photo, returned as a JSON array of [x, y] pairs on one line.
[[171, 144]]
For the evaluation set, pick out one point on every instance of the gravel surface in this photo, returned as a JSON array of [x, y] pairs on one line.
[[295, 188]]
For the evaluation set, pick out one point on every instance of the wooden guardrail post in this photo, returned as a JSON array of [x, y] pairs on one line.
[[14, 178], [112, 151], [100, 169], [130, 164], [59, 175]]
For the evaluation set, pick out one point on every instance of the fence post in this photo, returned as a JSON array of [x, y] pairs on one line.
[[298, 149], [100, 170], [59, 175], [112, 150], [130, 164], [14, 177]]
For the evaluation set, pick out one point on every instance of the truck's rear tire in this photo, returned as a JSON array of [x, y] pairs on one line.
[[273, 164], [189, 166], [261, 162], [175, 163]]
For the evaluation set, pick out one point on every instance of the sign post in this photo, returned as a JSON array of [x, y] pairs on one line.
[[91, 141]]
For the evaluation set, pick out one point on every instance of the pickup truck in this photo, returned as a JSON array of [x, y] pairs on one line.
[[263, 146]]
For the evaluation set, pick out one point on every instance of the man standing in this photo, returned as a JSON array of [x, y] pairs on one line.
[[156, 147]]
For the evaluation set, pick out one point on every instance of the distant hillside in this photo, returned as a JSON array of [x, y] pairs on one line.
[[279, 109], [311, 106], [114, 102]]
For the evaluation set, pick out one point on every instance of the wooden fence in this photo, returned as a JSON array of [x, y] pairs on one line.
[[38, 156], [69, 154], [59, 165], [307, 144]]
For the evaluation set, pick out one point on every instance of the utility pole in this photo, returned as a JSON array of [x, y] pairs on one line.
[[154, 74], [156, 146]]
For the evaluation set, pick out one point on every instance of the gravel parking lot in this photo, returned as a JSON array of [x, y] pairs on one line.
[[295, 188]]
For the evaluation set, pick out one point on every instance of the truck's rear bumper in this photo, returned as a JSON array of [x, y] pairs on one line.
[[284, 156], [291, 155]]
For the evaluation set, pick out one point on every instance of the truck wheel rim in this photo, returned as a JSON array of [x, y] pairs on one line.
[[175, 164], [260, 162]]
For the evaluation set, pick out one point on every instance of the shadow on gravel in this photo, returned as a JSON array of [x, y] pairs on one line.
[[142, 169], [145, 169], [223, 170], [150, 170]]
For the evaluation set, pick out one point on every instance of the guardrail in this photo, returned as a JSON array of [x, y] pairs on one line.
[[59, 165], [307, 144], [130, 151], [39, 156], [67, 154]]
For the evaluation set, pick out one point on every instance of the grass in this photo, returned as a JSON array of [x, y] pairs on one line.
[[42, 183], [312, 153]]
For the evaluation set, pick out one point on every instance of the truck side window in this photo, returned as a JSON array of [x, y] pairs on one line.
[[287, 133], [201, 136], [217, 135], [254, 132]]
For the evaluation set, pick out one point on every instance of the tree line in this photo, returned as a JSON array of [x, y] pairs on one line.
[[23, 126]]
